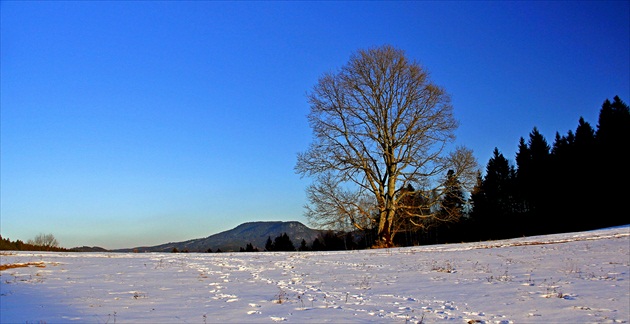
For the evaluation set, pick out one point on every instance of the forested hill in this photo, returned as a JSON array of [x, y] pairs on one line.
[[255, 233]]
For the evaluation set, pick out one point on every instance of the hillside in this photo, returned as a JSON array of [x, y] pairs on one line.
[[232, 240], [89, 249]]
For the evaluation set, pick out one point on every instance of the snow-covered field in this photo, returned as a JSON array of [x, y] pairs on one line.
[[567, 278]]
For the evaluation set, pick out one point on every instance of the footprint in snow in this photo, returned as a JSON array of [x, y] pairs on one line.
[[278, 319]]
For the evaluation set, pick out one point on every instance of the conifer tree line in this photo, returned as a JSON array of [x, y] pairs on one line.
[[326, 241], [579, 182], [41, 242], [280, 243]]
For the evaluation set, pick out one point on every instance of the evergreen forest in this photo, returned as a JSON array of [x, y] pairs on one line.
[[579, 182]]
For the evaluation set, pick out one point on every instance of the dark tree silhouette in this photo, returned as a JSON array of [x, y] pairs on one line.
[[303, 246], [454, 199], [613, 174], [578, 184], [250, 248], [269, 245], [317, 245], [493, 211], [283, 243]]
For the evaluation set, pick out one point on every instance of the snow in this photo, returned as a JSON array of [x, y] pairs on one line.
[[564, 278]]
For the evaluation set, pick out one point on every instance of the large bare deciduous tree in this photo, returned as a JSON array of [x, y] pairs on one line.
[[379, 126]]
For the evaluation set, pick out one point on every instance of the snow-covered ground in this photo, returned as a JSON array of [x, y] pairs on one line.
[[566, 278]]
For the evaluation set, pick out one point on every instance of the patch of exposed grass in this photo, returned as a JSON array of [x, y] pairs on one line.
[[22, 265]]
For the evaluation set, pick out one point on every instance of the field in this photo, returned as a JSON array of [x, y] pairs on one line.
[[565, 278]]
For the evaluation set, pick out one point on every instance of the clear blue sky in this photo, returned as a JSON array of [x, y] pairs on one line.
[[139, 123]]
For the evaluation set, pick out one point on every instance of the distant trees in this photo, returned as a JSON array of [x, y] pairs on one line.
[[575, 179], [283, 243], [331, 241], [45, 240], [303, 246], [613, 175], [340, 240], [494, 198], [580, 182], [269, 245], [41, 242], [7, 244], [326, 241], [249, 248], [280, 243]]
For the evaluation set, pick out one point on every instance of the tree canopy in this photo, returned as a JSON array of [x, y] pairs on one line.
[[379, 125]]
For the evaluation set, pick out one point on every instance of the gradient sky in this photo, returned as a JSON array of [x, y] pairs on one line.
[[140, 123]]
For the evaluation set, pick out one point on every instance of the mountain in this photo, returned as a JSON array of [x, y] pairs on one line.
[[89, 249], [255, 233]]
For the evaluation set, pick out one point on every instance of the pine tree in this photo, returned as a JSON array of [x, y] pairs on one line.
[[563, 145], [612, 128], [269, 245], [523, 177], [613, 143], [537, 189], [533, 185], [493, 211], [283, 243], [317, 245], [454, 200], [580, 184], [333, 241], [250, 248], [303, 246], [479, 206]]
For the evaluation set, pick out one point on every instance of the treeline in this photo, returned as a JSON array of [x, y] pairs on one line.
[[326, 241], [580, 182], [18, 245]]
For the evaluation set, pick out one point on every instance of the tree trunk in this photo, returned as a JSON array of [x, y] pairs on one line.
[[385, 233], [387, 236]]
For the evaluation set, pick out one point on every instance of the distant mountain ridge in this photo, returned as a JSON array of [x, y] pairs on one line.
[[88, 249], [255, 233]]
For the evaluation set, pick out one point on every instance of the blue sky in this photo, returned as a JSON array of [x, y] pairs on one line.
[[140, 123]]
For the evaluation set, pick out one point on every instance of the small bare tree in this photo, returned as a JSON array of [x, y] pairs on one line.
[[379, 124], [45, 240]]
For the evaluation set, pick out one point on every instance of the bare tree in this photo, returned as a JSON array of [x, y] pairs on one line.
[[379, 124], [45, 240]]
